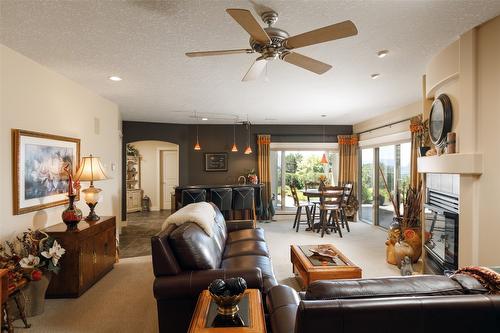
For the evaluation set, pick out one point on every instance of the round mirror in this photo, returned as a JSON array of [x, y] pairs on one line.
[[440, 120]]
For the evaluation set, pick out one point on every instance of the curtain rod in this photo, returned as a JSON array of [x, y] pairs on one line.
[[383, 126]]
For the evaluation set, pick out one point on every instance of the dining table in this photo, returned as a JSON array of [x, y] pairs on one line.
[[334, 193]]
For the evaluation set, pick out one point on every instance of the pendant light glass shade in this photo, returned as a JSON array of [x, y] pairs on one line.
[[248, 149], [324, 160], [234, 149], [197, 145]]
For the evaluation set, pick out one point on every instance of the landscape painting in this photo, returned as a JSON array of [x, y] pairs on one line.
[[39, 179]]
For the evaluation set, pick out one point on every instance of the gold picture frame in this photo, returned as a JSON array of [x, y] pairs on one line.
[[38, 181]]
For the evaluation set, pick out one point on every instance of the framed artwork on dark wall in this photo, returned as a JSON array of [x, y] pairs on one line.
[[38, 177], [216, 162]]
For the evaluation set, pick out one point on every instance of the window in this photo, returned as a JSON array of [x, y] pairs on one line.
[[300, 168], [394, 161]]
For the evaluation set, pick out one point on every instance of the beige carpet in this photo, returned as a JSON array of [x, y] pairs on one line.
[[123, 300], [364, 246]]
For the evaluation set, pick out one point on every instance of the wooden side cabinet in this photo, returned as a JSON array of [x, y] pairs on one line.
[[90, 254]]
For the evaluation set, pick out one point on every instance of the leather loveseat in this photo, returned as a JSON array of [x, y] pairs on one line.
[[186, 260], [396, 304]]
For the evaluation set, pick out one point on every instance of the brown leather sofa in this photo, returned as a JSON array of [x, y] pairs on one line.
[[397, 304], [186, 260]]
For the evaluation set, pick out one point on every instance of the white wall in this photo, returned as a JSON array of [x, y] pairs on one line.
[[488, 124], [150, 167], [33, 97], [475, 97]]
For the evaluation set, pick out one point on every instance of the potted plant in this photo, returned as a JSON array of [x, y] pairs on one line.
[[39, 256], [421, 130]]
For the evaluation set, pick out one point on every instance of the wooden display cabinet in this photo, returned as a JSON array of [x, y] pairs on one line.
[[90, 254]]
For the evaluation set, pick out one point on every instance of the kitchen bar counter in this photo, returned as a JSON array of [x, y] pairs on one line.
[[257, 189]]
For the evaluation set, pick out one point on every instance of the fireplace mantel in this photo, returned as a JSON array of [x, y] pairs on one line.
[[460, 163]]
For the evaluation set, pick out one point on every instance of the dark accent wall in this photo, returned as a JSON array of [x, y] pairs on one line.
[[219, 138]]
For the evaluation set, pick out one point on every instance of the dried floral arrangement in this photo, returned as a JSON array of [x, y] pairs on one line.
[[412, 204], [30, 255]]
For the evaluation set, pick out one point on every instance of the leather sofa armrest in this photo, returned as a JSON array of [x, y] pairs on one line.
[[282, 303], [190, 284], [233, 225]]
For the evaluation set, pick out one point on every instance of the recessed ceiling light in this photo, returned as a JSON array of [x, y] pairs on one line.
[[382, 53], [374, 76], [323, 115], [204, 119], [115, 78]]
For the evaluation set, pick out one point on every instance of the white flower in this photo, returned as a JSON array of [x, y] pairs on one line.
[[29, 262], [55, 253]]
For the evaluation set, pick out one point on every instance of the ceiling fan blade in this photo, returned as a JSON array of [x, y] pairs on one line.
[[248, 22], [255, 70], [310, 64], [215, 53], [321, 35]]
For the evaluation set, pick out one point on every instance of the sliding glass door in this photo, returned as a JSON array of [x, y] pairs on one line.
[[367, 182], [383, 170], [300, 168]]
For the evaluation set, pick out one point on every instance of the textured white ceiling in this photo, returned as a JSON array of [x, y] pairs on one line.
[[144, 43]]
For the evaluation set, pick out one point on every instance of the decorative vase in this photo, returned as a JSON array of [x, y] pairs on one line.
[[393, 237], [71, 215], [35, 295], [227, 305], [412, 236], [423, 150]]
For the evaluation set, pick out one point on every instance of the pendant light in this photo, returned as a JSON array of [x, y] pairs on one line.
[[234, 149], [324, 160], [197, 145], [248, 149]]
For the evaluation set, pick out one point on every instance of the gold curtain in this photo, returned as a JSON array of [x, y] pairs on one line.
[[416, 130], [348, 159], [264, 155]]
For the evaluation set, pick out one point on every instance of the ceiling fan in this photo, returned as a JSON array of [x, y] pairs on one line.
[[274, 43]]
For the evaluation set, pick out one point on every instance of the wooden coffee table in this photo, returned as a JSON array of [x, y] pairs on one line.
[[310, 268], [256, 321]]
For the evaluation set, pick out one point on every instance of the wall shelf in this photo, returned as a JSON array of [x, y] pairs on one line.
[[460, 163]]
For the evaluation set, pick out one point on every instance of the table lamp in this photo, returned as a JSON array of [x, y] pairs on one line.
[[91, 169]]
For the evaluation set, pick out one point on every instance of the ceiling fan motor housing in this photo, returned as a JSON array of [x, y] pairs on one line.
[[276, 48]]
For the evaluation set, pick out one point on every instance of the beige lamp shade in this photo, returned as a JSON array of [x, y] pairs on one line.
[[90, 169]]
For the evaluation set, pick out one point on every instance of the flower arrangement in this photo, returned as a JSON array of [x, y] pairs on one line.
[[251, 176], [421, 128], [32, 254]]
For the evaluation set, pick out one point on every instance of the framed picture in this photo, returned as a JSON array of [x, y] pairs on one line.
[[39, 180], [215, 161]]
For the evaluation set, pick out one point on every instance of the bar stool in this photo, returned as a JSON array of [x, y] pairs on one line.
[[244, 199], [193, 195], [223, 198]]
